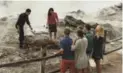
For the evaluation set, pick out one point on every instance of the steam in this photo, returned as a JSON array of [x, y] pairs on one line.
[[38, 16]]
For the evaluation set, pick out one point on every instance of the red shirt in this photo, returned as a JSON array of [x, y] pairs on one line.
[[53, 18]]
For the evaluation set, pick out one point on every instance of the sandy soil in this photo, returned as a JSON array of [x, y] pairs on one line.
[[114, 64]]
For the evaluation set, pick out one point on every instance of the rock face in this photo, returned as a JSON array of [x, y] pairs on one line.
[[77, 14], [111, 13], [39, 41], [3, 19], [72, 22], [112, 32]]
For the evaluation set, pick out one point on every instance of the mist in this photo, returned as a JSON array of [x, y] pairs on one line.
[[39, 9]]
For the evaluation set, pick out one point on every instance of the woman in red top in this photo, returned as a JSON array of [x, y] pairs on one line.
[[52, 21]]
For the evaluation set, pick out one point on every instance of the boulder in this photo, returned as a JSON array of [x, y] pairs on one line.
[[111, 13], [77, 14], [3, 19], [72, 22], [39, 41], [112, 32]]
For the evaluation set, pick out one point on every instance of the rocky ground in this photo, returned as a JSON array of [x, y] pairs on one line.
[[9, 51]]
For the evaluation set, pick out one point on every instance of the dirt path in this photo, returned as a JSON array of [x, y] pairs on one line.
[[113, 64]]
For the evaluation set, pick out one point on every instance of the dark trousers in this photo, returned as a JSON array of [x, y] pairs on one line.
[[21, 36]]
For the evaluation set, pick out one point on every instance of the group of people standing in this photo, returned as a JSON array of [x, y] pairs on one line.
[[75, 53]]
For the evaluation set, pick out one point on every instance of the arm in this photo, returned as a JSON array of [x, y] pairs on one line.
[[28, 22], [57, 19], [61, 50], [47, 20], [16, 25], [74, 47]]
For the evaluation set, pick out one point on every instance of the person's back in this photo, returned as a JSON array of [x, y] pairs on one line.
[[23, 17], [82, 45], [89, 37], [53, 18], [81, 58], [67, 55], [80, 53], [66, 44]]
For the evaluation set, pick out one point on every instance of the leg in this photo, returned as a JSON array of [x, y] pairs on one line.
[[85, 70], [64, 66], [79, 71], [55, 35], [55, 31], [72, 67], [98, 66], [89, 68], [21, 37], [50, 34], [50, 31]]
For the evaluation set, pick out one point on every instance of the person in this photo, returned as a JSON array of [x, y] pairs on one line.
[[89, 36], [80, 46], [52, 21], [23, 17], [98, 47], [67, 55]]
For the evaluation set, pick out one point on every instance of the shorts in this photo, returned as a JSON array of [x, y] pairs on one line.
[[52, 28], [68, 64], [96, 57]]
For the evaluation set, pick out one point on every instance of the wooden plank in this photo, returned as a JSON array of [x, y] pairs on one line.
[[43, 54], [28, 61]]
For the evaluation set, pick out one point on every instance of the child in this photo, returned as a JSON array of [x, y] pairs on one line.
[[67, 55]]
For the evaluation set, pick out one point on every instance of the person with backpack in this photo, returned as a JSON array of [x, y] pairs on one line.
[[23, 17], [52, 21]]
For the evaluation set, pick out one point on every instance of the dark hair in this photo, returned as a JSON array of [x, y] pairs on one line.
[[96, 25], [88, 27], [67, 31], [80, 33], [51, 9], [28, 10]]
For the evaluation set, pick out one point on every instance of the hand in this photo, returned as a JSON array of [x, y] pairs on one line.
[[75, 41], [54, 53]]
